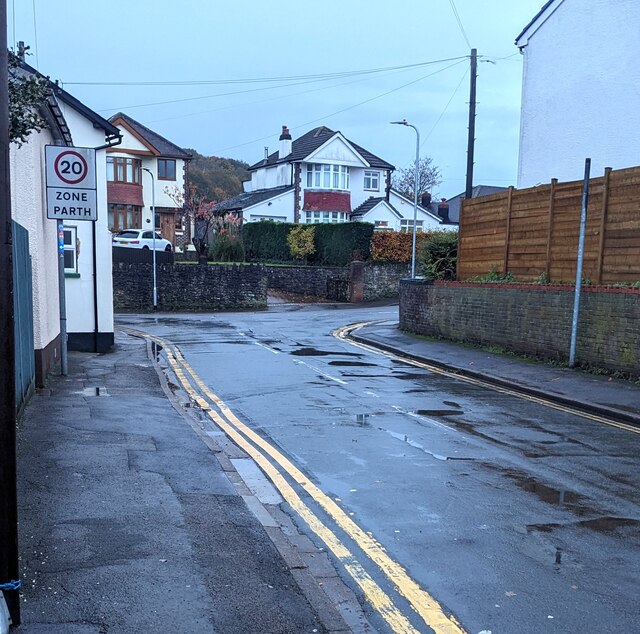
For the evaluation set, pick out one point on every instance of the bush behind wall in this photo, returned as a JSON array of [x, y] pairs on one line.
[[335, 244]]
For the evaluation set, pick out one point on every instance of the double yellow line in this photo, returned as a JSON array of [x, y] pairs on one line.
[[344, 333], [274, 464]]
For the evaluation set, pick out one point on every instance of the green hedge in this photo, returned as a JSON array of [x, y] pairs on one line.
[[339, 244], [266, 241], [335, 244]]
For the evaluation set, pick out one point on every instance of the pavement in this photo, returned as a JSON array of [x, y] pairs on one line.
[[134, 518]]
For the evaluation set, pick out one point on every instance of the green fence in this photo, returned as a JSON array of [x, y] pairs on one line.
[[23, 315]]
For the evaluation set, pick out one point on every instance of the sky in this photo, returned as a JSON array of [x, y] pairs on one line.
[[224, 77]]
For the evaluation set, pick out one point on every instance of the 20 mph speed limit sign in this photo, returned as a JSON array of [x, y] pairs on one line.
[[71, 183]]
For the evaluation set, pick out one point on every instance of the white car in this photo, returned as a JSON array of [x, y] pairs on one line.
[[140, 239]]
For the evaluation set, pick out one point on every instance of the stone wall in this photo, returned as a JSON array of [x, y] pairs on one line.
[[324, 282], [529, 319], [382, 279], [185, 287]]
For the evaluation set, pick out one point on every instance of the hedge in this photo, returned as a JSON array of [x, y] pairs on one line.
[[335, 244], [391, 246]]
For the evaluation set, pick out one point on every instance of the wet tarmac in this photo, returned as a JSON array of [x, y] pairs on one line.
[[518, 518]]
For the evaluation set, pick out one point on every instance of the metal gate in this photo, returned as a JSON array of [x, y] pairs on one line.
[[23, 315]]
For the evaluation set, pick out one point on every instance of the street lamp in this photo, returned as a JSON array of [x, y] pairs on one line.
[[153, 215], [415, 194]]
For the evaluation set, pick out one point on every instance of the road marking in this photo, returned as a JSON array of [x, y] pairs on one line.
[[343, 333], [426, 606], [321, 373]]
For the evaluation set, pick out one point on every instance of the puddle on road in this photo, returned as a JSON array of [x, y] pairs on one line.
[[362, 364], [314, 352], [95, 391], [156, 349], [413, 443], [438, 412]]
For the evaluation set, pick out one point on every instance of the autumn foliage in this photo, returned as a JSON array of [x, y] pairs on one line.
[[391, 246]]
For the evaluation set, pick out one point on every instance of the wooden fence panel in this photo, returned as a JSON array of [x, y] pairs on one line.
[[533, 233]]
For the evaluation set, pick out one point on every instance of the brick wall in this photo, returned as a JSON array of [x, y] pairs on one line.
[[185, 287], [529, 319]]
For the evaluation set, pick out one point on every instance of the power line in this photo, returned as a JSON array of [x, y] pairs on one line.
[[433, 127], [306, 123], [276, 98], [257, 80], [457, 16]]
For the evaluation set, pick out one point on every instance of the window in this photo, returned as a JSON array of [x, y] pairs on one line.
[[124, 217], [382, 225], [166, 169], [327, 176], [123, 170], [372, 180], [317, 217], [70, 249], [407, 226]]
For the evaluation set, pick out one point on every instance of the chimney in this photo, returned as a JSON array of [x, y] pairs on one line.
[[443, 210], [266, 152], [425, 200], [285, 143]]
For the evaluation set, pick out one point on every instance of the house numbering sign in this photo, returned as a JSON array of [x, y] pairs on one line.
[[71, 183]]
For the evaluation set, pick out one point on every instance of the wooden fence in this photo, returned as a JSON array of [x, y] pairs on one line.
[[533, 233]]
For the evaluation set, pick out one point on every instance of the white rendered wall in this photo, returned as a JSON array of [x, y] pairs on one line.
[[405, 208], [581, 92], [79, 291], [28, 208], [280, 209]]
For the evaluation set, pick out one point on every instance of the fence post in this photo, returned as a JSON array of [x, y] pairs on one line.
[[603, 221], [552, 196], [507, 237]]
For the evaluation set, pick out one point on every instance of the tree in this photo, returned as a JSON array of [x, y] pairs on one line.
[[300, 241], [26, 94], [198, 211], [428, 177]]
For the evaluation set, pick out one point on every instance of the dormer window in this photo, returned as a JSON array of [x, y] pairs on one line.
[[326, 176], [372, 180]]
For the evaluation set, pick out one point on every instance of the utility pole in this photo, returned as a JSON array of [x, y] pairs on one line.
[[472, 123], [9, 571]]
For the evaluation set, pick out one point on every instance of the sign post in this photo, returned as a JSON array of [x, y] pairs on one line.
[[71, 195]]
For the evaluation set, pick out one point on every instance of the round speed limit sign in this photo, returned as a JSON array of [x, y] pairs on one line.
[[70, 167]]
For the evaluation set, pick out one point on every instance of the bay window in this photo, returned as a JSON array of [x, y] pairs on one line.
[[123, 170], [326, 176]]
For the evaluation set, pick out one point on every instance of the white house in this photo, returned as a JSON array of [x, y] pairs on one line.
[[130, 189], [88, 285], [323, 177], [580, 90]]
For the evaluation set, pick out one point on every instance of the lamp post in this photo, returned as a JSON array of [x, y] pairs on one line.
[[415, 195], [153, 215]]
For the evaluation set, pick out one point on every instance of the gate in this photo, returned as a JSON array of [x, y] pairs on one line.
[[23, 316]]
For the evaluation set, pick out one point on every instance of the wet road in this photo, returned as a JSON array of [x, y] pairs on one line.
[[516, 518]]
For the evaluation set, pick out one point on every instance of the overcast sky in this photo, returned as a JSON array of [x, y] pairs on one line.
[[298, 44]]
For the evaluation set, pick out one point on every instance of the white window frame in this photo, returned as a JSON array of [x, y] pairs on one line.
[[370, 177], [406, 226], [327, 176], [71, 247], [322, 217]]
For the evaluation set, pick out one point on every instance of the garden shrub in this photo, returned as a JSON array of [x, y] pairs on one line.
[[438, 255]]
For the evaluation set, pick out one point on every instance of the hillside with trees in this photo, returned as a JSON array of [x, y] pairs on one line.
[[217, 178]]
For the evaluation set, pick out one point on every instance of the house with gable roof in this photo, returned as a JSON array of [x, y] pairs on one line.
[[580, 90], [323, 177], [129, 187], [87, 245]]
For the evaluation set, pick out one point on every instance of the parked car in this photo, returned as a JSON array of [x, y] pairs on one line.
[[140, 239]]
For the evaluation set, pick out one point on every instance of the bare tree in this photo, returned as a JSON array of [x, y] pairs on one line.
[[428, 177]]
